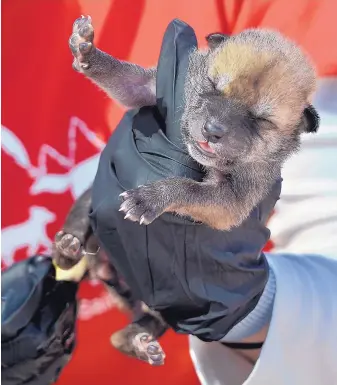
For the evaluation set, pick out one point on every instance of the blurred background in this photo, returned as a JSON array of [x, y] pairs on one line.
[[55, 123]]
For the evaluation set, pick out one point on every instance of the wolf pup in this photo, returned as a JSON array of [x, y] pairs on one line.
[[247, 102]]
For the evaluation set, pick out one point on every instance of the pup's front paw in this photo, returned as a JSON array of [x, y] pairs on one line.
[[142, 204], [68, 250], [81, 43]]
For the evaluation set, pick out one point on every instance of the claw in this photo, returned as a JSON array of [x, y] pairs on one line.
[[59, 235], [123, 206]]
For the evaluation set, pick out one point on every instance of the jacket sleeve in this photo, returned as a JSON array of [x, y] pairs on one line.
[[38, 320]]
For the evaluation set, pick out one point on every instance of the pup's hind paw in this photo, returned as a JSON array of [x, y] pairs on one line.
[[67, 251], [81, 43], [150, 348], [134, 341]]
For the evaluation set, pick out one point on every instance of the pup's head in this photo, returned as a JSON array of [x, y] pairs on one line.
[[247, 99]]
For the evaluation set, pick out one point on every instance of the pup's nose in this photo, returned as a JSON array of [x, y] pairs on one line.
[[213, 131]]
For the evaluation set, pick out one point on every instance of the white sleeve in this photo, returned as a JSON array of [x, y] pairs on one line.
[[301, 345]]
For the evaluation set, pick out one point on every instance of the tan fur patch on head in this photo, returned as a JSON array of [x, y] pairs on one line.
[[267, 74], [238, 60]]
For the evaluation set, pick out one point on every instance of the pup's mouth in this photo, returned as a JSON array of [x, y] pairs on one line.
[[205, 148]]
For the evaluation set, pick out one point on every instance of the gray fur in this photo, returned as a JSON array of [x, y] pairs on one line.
[[129, 84]]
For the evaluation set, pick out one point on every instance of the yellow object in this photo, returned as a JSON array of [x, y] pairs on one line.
[[75, 274]]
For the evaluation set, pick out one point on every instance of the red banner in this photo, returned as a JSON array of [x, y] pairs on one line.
[[55, 122]]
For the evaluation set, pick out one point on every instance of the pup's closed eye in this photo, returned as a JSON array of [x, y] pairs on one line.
[[259, 118], [263, 119]]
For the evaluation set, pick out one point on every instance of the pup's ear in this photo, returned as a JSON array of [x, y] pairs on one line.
[[215, 39], [310, 119]]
